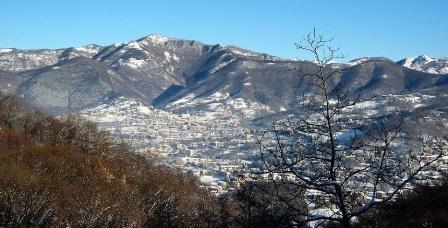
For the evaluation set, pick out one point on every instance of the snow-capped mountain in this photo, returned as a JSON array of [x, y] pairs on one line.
[[426, 64], [179, 75], [202, 106], [145, 69]]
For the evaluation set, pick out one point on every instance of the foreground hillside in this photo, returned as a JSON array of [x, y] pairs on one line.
[[66, 173]]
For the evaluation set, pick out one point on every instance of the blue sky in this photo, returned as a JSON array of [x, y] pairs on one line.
[[393, 29]]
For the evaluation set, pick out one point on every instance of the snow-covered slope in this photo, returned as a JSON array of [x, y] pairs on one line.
[[426, 64], [366, 59], [15, 60]]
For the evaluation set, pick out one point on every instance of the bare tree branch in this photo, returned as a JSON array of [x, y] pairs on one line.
[[341, 179]]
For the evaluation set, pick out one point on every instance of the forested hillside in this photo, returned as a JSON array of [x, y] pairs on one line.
[[66, 173]]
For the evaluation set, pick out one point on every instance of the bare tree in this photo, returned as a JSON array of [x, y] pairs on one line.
[[345, 161], [11, 111]]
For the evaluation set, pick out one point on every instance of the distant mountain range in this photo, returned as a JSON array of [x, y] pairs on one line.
[[183, 96], [160, 71]]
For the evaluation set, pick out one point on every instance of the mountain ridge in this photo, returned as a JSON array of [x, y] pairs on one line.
[[159, 70], [426, 64]]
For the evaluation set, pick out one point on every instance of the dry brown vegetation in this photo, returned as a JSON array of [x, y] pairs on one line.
[[67, 173]]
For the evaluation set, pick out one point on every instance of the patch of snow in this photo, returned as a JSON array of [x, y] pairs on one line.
[[347, 136], [216, 97], [167, 55], [220, 66], [6, 50], [207, 180], [419, 105], [357, 61], [175, 58], [157, 39], [242, 52], [213, 106], [366, 59], [132, 62], [431, 71], [366, 104], [90, 49], [183, 99], [443, 70]]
